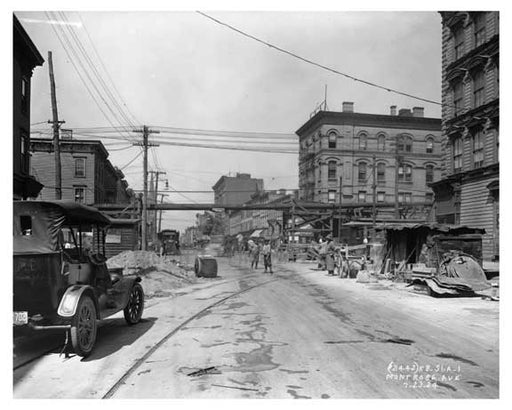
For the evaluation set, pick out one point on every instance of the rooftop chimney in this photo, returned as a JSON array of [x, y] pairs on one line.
[[392, 110], [418, 111], [348, 106], [404, 112]]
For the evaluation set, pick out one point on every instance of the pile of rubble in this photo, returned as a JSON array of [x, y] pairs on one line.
[[160, 275]]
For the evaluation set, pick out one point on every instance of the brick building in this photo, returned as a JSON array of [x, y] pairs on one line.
[[268, 220], [345, 150], [468, 191], [87, 174], [25, 58], [236, 190]]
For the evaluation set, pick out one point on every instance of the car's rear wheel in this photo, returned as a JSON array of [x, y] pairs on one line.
[[135, 307], [84, 327]]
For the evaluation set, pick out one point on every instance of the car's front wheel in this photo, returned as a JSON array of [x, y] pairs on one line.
[[135, 307], [84, 327]]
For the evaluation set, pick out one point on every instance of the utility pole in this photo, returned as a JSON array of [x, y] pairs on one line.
[[374, 192], [145, 144], [341, 210], [157, 174], [56, 124], [397, 164]]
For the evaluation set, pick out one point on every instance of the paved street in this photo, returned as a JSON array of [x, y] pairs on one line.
[[295, 334]]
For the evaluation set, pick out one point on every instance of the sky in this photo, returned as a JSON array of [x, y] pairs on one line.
[[182, 70]]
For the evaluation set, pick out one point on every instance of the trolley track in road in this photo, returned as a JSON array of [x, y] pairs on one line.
[[59, 347], [110, 393]]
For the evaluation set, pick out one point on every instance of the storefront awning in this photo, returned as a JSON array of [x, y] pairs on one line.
[[256, 233]]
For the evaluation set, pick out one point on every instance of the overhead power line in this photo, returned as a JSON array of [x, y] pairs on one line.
[[332, 70], [73, 55]]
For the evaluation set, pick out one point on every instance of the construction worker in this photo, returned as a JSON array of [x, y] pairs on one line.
[[267, 256]]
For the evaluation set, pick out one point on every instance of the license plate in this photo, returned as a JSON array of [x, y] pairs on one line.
[[20, 318]]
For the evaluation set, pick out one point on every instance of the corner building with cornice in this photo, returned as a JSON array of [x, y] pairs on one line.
[[468, 191], [338, 153]]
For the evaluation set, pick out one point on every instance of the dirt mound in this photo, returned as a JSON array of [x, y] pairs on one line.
[[134, 260], [161, 275]]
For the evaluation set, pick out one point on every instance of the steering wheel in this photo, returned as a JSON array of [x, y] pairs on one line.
[[97, 259]]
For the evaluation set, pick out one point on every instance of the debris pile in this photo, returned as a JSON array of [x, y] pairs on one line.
[[161, 275], [459, 275]]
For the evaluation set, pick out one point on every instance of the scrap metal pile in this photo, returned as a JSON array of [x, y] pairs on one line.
[[459, 274]]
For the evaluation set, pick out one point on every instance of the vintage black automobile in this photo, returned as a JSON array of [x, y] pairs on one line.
[[61, 280]]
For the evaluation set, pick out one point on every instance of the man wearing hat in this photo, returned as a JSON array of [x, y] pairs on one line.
[[329, 255]]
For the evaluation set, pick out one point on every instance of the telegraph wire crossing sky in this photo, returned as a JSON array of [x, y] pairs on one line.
[[195, 78]]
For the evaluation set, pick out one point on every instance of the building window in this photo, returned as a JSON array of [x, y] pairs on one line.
[[361, 197], [404, 144], [430, 145], [361, 174], [24, 150], [331, 195], [24, 95], [80, 167], [381, 196], [458, 98], [457, 155], [331, 170], [479, 25], [404, 197], [332, 140], [459, 42], [381, 142], [478, 149], [429, 197], [478, 89], [405, 173], [381, 172], [429, 174], [80, 195], [363, 141]]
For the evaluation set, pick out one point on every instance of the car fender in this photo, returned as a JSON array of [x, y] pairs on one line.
[[69, 301]]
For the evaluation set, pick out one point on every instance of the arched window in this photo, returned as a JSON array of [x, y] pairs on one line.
[[332, 139], [479, 28], [361, 174], [331, 170], [458, 98], [430, 145], [457, 155], [478, 89], [381, 142], [381, 172], [458, 41], [404, 143], [363, 141], [429, 174], [478, 149]]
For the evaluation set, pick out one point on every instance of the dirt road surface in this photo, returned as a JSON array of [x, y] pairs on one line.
[[295, 334]]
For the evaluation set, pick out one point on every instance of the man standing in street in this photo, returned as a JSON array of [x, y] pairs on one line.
[[267, 256], [255, 252]]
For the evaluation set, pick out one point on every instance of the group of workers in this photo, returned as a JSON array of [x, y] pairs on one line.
[[264, 248], [331, 259]]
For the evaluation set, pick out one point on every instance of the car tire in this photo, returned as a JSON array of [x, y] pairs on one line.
[[135, 307], [84, 327]]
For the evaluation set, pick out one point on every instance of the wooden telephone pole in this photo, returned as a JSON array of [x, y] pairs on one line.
[[155, 198], [56, 124], [145, 144], [374, 193]]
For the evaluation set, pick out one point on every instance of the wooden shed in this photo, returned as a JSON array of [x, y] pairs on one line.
[[122, 235]]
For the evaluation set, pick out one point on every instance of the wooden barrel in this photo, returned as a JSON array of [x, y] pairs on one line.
[[206, 267]]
